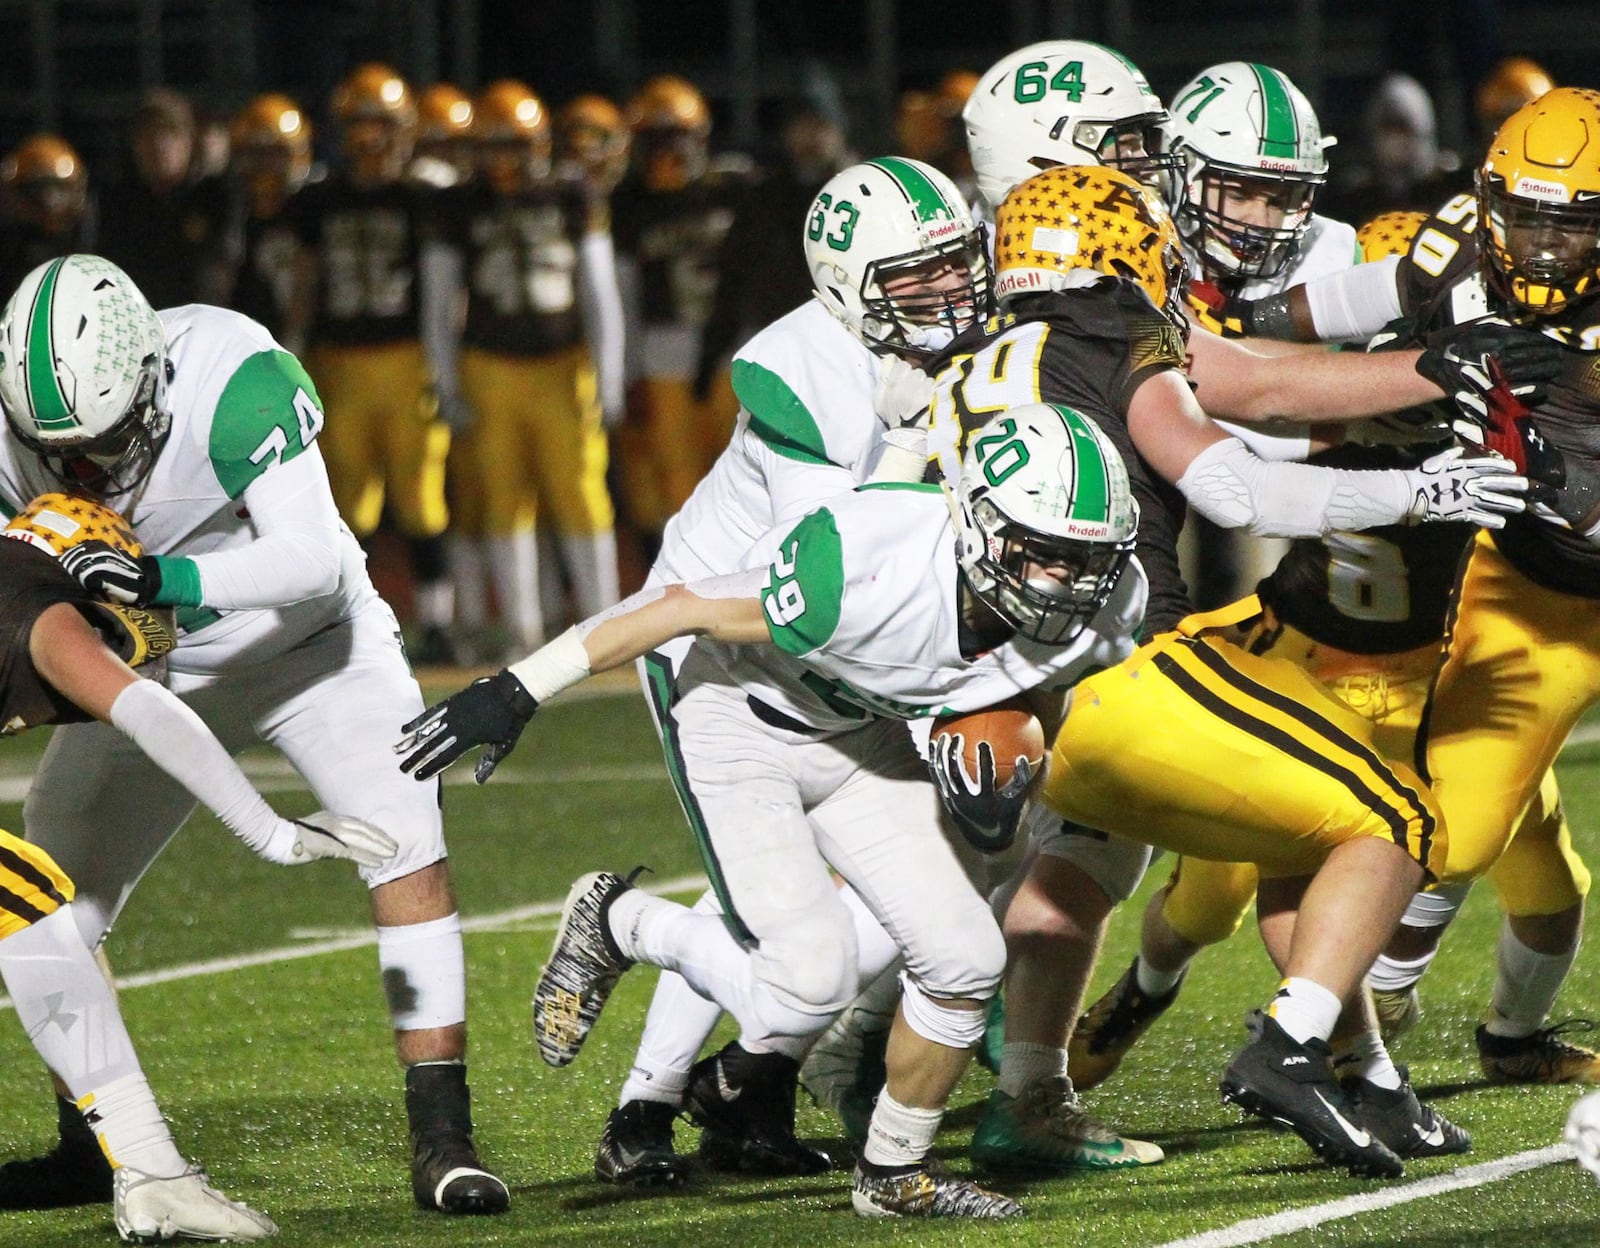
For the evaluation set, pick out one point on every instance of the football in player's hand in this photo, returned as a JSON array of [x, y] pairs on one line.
[[1012, 731]]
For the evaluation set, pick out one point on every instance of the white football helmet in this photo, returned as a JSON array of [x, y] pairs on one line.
[[83, 374], [1046, 519], [884, 219], [1246, 124], [1064, 102]]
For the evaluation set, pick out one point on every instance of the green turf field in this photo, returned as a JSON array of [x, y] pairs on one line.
[[279, 1076]]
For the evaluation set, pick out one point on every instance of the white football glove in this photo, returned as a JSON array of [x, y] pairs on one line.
[[1483, 490], [902, 395], [1583, 1132], [327, 835]]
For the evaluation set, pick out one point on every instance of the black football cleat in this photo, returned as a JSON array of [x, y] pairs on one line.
[[636, 1147], [1400, 1120], [446, 1174], [74, 1172], [745, 1103]]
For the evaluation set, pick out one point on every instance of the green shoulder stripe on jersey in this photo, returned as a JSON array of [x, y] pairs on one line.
[[1280, 134], [923, 194], [1092, 499], [267, 414], [49, 405], [777, 415], [916, 487], [805, 586]]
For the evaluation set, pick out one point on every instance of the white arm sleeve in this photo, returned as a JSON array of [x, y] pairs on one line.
[[1356, 302], [1228, 485], [600, 304], [178, 741], [297, 553], [442, 269]]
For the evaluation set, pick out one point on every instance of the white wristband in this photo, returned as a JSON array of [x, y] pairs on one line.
[[558, 665]]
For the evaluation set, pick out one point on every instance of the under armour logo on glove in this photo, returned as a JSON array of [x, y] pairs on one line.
[[112, 574], [1482, 491]]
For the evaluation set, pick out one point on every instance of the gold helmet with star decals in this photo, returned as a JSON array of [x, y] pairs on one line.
[[1539, 202], [1066, 226], [1388, 234]]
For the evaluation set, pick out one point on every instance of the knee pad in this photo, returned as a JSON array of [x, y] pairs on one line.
[[933, 1020], [811, 966], [1436, 907], [968, 959], [1114, 863]]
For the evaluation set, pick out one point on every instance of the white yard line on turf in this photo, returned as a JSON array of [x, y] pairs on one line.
[[356, 940], [1258, 1230]]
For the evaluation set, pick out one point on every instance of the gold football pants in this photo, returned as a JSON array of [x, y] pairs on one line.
[[32, 887], [669, 441]]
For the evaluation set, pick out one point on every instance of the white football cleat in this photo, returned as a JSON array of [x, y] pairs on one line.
[[187, 1207], [1583, 1132]]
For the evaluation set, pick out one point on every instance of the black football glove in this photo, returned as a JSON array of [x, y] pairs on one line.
[[112, 574], [491, 712], [1460, 365], [986, 813]]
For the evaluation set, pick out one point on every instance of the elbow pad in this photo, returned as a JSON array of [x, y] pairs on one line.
[[1229, 486]]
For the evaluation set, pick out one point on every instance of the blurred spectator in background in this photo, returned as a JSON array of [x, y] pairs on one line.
[[759, 277], [162, 224], [267, 274], [542, 309], [1402, 167], [1512, 83], [384, 443], [443, 155], [45, 206], [592, 144], [669, 217], [927, 127]]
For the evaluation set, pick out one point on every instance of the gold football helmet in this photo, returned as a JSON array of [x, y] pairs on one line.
[[1539, 202], [377, 118], [45, 184], [1074, 220], [444, 127], [1512, 83], [270, 150], [671, 127], [1388, 234], [593, 137], [511, 127]]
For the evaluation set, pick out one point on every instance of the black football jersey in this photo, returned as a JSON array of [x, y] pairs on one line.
[[263, 284], [1380, 591], [521, 260], [31, 580], [366, 240], [1442, 284], [1090, 349], [674, 238]]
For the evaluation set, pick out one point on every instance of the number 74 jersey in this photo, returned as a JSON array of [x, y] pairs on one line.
[[241, 405]]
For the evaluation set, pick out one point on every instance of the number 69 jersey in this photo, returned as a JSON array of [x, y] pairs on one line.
[[862, 600], [241, 405]]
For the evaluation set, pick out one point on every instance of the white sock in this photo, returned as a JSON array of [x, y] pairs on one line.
[[1525, 985], [1154, 983], [126, 1118], [679, 1023], [899, 1135], [1397, 974], [469, 573], [424, 973], [1305, 1009], [591, 561], [514, 560], [1024, 1064], [1367, 1057]]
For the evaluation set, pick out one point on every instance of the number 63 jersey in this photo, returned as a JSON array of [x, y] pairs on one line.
[[863, 602], [241, 406]]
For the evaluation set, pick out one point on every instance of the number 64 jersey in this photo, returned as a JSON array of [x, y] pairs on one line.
[[862, 600], [242, 407]]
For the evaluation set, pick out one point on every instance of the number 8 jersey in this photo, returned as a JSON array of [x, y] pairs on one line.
[[242, 409]]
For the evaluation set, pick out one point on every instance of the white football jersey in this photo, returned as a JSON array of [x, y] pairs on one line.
[[240, 405], [806, 432], [862, 603]]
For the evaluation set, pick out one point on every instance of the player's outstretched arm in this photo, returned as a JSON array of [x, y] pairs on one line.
[[71, 657], [493, 711]]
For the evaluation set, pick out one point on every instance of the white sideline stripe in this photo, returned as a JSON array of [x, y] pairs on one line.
[[1257, 1230], [357, 940]]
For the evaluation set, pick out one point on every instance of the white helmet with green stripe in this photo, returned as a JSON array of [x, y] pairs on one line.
[[1246, 126], [895, 254], [83, 374], [1064, 102], [1046, 519]]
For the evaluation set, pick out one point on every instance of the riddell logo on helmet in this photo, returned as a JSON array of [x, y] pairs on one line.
[[1076, 528], [1537, 188], [942, 230], [1281, 166], [1016, 282]]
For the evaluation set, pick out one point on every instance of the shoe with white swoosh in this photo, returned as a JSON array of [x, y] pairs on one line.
[[1400, 1120], [745, 1103], [1277, 1078]]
